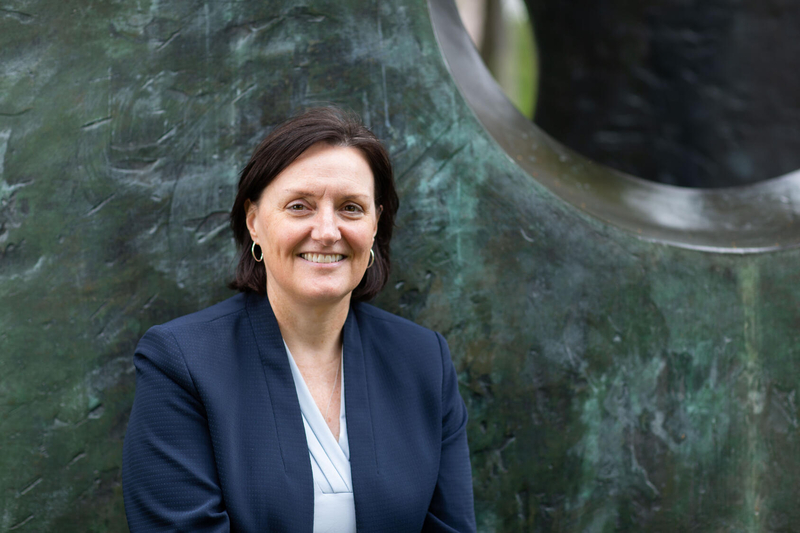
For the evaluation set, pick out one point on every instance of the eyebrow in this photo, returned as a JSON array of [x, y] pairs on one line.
[[302, 192]]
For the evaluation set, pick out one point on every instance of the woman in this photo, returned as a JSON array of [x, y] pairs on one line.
[[294, 406]]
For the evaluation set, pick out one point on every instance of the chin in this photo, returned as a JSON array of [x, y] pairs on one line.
[[326, 296]]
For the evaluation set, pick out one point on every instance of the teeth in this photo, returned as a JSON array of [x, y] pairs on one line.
[[322, 258]]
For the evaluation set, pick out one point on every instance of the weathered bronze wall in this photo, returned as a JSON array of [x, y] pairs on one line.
[[614, 384]]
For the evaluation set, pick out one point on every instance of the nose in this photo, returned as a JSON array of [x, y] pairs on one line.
[[326, 227]]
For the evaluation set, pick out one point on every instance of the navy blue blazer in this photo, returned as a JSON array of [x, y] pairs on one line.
[[216, 442]]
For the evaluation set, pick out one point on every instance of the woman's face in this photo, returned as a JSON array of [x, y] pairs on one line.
[[315, 224]]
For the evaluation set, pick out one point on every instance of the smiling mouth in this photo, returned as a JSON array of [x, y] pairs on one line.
[[322, 258]]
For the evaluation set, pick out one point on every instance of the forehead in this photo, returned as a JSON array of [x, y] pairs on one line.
[[328, 167]]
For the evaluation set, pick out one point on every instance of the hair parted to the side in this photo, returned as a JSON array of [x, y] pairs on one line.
[[279, 150]]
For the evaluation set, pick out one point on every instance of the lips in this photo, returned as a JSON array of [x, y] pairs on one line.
[[322, 258]]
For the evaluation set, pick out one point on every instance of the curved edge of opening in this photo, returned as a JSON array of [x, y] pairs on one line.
[[745, 219]]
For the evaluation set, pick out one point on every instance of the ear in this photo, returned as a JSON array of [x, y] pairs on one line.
[[377, 220], [251, 213]]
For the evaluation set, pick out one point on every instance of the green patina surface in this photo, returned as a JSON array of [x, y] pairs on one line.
[[613, 384]]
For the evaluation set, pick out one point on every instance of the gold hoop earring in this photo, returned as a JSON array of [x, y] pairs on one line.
[[253, 252], [371, 257]]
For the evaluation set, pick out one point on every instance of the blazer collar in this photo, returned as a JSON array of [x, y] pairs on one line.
[[286, 408], [363, 459]]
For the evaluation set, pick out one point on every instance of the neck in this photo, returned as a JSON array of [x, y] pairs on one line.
[[313, 333]]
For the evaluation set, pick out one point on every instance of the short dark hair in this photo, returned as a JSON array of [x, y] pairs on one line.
[[280, 149]]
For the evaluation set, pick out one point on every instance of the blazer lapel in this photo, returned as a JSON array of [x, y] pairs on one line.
[[285, 410], [363, 460]]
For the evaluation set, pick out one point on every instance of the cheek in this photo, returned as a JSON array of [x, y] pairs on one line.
[[361, 239], [364, 242], [284, 245], [283, 238]]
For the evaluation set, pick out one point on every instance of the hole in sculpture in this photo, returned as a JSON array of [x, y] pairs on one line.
[[694, 94], [502, 32]]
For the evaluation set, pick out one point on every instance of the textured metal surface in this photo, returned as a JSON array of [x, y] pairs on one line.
[[613, 383]]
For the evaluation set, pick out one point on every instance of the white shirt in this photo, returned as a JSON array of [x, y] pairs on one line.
[[334, 507]]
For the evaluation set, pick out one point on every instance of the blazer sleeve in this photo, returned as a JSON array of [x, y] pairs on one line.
[[452, 507], [169, 476]]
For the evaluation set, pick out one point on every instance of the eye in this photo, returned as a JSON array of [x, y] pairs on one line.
[[353, 208], [297, 208]]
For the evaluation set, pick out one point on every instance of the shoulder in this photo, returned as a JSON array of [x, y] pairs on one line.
[[377, 321], [205, 321], [397, 343], [205, 317], [202, 328], [199, 349]]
